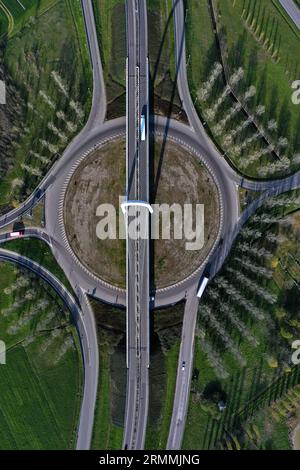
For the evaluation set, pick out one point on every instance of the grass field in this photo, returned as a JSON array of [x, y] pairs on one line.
[[39, 251], [161, 40], [110, 406], [110, 409], [111, 28], [165, 343], [157, 433], [48, 75], [3, 23], [19, 13], [163, 91], [107, 435], [247, 322], [256, 37], [40, 385]]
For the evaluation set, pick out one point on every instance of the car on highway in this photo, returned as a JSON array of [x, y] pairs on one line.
[[17, 234], [202, 286], [143, 127], [183, 365]]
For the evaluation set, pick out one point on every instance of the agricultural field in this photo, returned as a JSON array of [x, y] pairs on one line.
[[41, 383], [247, 322], [17, 13], [242, 86], [48, 94], [3, 23]]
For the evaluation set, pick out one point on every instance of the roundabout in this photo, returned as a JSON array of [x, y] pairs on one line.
[[56, 187]]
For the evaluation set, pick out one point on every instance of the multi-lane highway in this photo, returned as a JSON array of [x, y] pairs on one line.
[[137, 190]]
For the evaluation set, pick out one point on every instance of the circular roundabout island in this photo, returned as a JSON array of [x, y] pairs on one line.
[[177, 177]]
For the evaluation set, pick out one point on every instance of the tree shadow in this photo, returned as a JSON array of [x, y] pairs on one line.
[[155, 174]]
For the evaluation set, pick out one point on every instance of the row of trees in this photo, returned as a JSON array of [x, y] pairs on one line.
[[43, 110], [235, 133], [30, 309], [243, 294]]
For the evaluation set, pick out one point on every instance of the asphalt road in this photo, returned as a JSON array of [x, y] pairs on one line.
[[137, 270], [292, 10], [98, 109], [184, 373]]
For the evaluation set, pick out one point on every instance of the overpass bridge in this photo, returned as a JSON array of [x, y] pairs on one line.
[[137, 206]]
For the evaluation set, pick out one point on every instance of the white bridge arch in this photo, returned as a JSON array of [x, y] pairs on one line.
[[126, 204]]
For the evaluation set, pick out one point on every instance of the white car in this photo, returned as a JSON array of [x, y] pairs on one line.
[[183, 365]]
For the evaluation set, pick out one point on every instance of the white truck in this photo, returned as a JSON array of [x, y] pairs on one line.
[[143, 127], [202, 286]]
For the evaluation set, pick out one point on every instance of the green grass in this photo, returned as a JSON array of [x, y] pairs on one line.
[[3, 23], [14, 304], [40, 385], [111, 29], [165, 344], [245, 406], [17, 11], [161, 40], [163, 91], [21, 16], [52, 42], [157, 436], [250, 388], [243, 26], [276, 437], [39, 251], [110, 408], [110, 405], [35, 405], [199, 31], [273, 77], [110, 40], [106, 434]]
